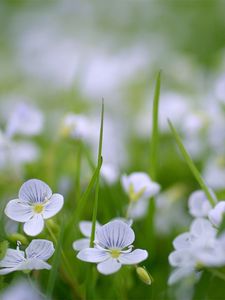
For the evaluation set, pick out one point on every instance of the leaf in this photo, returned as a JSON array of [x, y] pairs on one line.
[[222, 226], [3, 248]]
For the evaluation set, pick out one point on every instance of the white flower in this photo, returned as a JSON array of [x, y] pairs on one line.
[[85, 228], [139, 185], [198, 204], [196, 248], [33, 258], [113, 248], [216, 214], [34, 204], [75, 126], [25, 119]]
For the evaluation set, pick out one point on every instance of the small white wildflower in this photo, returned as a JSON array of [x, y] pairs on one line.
[[113, 248], [216, 214], [25, 119], [139, 185], [109, 173], [33, 258], [75, 126], [34, 204], [198, 204]]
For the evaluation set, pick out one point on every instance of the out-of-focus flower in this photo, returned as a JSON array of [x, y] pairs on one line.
[[195, 249], [214, 171], [139, 188], [113, 248], [198, 204], [139, 185], [216, 214], [109, 173], [21, 290], [33, 258], [75, 126], [25, 120], [34, 204]]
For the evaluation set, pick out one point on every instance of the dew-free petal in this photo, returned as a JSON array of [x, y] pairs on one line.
[[18, 211], [92, 255], [34, 190], [34, 226], [53, 206], [133, 257], [109, 266], [40, 249]]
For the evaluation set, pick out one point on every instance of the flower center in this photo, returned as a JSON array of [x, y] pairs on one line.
[[115, 253], [38, 208]]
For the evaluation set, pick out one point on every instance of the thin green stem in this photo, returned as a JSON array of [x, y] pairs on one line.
[[191, 164], [78, 169], [217, 273], [95, 209], [155, 129]]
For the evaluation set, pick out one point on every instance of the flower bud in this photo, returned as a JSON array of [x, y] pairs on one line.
[[144, 275]]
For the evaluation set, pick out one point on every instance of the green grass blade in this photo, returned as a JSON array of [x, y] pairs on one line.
[[95, 209], [55, 264], [191, 164], [155, 129]]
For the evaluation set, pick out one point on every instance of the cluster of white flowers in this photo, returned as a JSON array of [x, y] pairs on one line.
[[202, 246]]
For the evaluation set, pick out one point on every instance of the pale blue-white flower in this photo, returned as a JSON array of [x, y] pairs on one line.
[[33, 258], [34, 204], [199, 247], [76, 126], [198, 204], [113, 248], [109, 173], [24, 119], [216, 214], [85, 229]]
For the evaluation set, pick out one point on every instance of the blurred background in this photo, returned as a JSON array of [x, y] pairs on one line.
[[60, 57]]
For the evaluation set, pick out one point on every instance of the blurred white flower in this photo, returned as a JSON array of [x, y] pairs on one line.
[[216, 214], [110, 173], [21, 290], [25, 120], [195, 249], [34, 257], [139, 185], [113, 248], [198, 204], [75, 126], [214, 171], [34, 204]]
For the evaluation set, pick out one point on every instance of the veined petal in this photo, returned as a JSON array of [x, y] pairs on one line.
[[109, 266], [12, 258], [40, 249], [181, 258], [34, 264], [115, 234], [92, 255], [34, 190], [133, 257], [53, 206], [5, 271], [18, 211], [201, 227], [85, 227], [34, 226], [81, 244]]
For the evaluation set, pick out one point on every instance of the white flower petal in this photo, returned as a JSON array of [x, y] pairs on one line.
[[18, 211], [109, 266], [183, 241], [199, 205], [12, 258], [92, 255], [85, 227], [40, 249], [5, 271], [216, 214], [138, 209], [34, 190], [53, 206], [181, 258], [133, 257], [115, 234], [34, 264], [81, 244], [202, 227], [34, 226], [180, 273]]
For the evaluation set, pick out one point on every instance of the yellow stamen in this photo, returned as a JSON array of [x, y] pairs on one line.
[[135, 196], [38, 208], [115, 253]]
